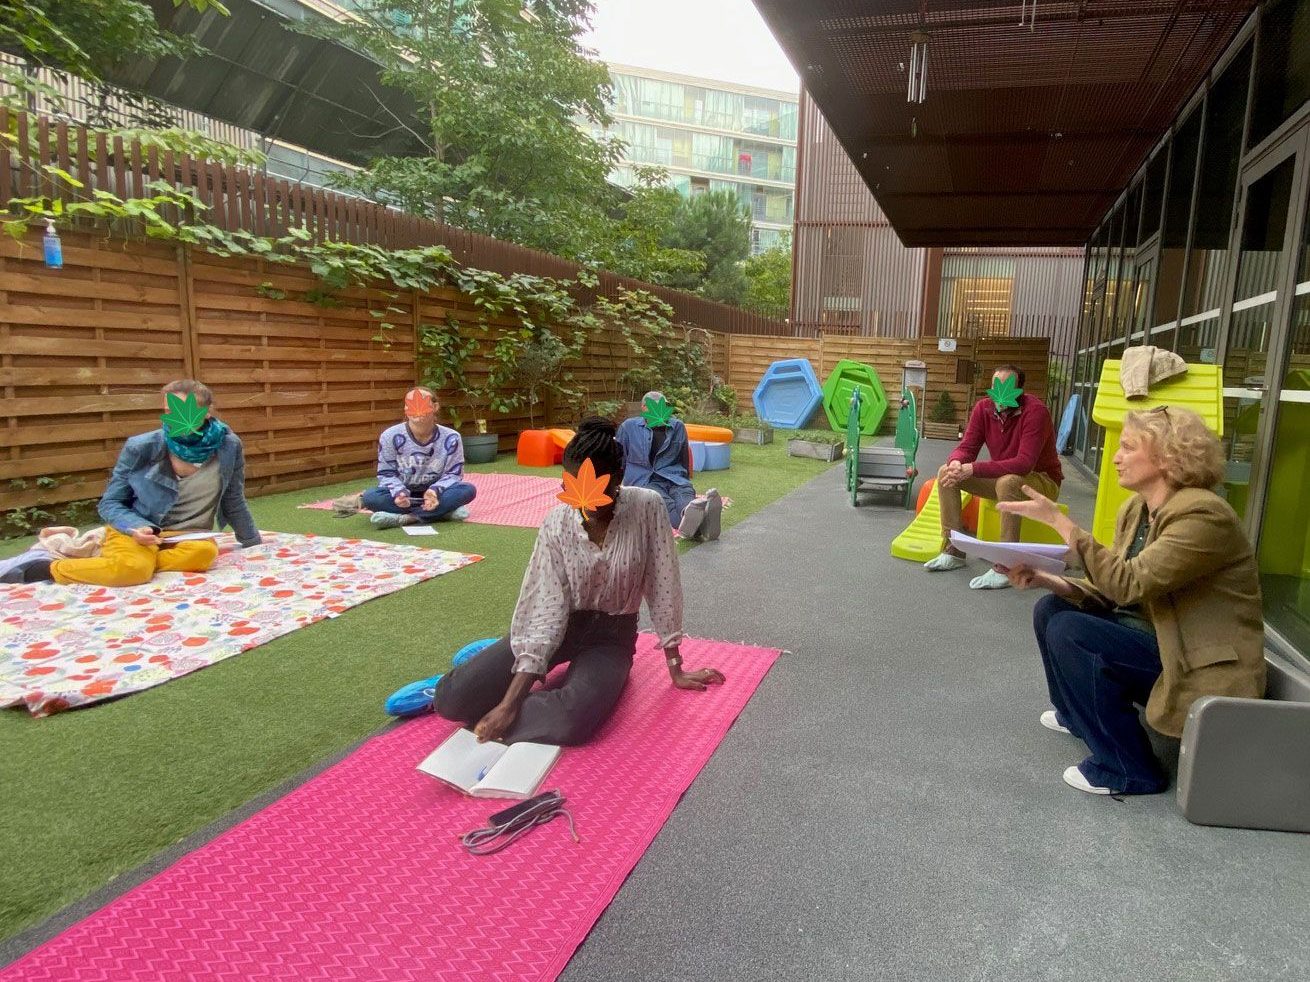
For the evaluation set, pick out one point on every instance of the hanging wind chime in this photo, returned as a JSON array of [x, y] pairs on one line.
[[917, 91]]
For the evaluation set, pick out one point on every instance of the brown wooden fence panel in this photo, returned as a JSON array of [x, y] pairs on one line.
[[83, 353], [308, 387]]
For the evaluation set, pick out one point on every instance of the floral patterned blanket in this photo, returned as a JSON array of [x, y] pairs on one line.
[[68, 646]]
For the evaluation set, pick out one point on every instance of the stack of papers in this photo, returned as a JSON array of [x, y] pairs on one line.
[[1035, 555]]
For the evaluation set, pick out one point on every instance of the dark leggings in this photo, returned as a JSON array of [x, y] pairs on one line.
[[599, 649]]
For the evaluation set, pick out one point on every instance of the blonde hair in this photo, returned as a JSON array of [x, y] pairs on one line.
[[1180, 443]]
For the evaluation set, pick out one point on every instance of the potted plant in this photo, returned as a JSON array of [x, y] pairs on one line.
[[942, 422], [819, 444]]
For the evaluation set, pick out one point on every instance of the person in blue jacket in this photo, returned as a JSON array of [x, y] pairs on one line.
[[162, 483], [659, 458]]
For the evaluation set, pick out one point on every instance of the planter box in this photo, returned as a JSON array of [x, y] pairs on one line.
[[746, 434], [819, 451], [941, 431]]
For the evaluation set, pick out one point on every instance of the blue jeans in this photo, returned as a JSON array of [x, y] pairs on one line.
[[676, 497], [455, 496], [1096, 669]]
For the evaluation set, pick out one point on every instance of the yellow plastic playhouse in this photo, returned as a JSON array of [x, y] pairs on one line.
[[1200, 390]]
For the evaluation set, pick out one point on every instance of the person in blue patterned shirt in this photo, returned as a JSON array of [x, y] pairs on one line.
[[420, 469]]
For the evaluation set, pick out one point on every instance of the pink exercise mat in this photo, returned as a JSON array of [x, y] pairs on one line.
[[503, 499], [359, 874]]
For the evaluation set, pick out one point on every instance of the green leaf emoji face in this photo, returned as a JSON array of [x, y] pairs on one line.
[[658, 412], [1005, 392], [184, 417]]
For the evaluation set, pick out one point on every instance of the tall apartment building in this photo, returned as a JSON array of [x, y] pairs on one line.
[[711, 136], [852, 274]]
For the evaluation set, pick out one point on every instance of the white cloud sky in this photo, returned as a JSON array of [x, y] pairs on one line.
[[725, 40]]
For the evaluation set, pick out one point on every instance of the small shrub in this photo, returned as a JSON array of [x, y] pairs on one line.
[[944, 410]]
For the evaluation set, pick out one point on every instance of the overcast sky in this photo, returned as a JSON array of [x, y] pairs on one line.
[[725, 40]]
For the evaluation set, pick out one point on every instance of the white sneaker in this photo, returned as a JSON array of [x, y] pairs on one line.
[[1074, 778], [460, 514], [991, 580], [1049, 720], [945, 562]]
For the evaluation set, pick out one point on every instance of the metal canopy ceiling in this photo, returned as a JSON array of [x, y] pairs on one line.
[[260, 74], [1027, 134]]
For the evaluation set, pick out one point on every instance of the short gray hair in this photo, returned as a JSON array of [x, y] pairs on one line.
[[653, 396]]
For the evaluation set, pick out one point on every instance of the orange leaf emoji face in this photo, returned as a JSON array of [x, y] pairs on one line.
[[586, 492], [418, 403]]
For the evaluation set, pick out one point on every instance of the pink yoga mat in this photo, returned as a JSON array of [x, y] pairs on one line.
[[359, 873], [503, 499]]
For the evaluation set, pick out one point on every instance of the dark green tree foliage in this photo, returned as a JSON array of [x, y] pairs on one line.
[[500, 86], [89, 38], [768, 281], [717, 225]]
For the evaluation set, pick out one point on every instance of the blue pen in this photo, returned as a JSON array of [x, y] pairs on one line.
[[483, 773]]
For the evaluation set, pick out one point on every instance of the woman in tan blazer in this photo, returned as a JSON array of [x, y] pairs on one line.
[[1169, 613]]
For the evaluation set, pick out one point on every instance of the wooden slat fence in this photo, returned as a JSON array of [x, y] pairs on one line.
[[84, 351]]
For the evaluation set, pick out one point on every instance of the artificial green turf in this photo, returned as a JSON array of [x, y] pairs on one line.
[[91, 793]]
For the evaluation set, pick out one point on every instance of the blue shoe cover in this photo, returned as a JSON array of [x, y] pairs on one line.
[[471, 649]]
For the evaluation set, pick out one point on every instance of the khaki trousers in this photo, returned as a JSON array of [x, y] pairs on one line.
[[1008, 487]]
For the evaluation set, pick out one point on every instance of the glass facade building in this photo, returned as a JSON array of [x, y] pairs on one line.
[[711, 136], [1207, 253]]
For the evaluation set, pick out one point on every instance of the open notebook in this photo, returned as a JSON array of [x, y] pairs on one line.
[[490, 770]]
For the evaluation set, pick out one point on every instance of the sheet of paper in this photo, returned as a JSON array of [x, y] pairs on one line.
[[1035, 555], [191, 536], [418, 530]]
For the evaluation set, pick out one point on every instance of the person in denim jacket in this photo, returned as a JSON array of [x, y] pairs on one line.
[[165, 484]]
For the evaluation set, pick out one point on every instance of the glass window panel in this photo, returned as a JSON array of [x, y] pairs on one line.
[[1173, 235], [1282, 76], [1263, 228], [1153, 194], [1221, 152], [1284, 548], [1246, 355]]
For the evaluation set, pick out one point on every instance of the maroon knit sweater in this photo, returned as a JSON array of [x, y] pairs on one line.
[[1019, 441]]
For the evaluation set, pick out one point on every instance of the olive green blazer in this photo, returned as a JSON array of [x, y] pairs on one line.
[[1197, 581]]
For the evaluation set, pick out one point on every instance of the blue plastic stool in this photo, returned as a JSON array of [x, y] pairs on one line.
[[718, 457], [416, 698], [697, 455]]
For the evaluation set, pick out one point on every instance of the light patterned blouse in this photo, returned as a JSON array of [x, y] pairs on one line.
[[568, 572]]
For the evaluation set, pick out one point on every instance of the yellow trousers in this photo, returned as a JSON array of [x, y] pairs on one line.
[[125, 562]]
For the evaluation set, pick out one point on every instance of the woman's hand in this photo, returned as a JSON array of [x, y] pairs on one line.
[[1040, 508], [431, 499], [402, 500], [496, 723], [697, 680]]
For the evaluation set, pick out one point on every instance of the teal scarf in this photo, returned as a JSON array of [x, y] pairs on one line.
[[196, 448]]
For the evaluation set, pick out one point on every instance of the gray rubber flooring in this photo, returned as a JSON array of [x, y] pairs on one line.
[[888, 807]]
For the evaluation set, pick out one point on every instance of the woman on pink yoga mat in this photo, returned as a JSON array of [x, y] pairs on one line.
[[578, 604]]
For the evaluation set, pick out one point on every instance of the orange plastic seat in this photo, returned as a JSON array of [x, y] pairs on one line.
[[537, 449]]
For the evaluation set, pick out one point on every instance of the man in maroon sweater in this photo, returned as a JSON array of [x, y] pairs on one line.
[[1020, 441]]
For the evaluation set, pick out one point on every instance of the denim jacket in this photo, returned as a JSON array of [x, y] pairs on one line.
[[671, 463], [143, 488]]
